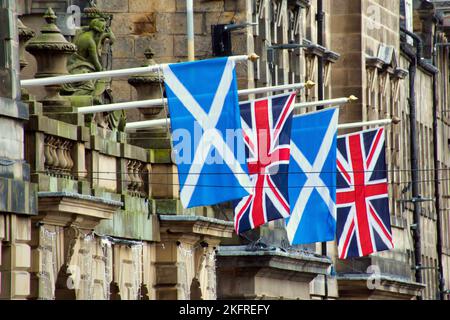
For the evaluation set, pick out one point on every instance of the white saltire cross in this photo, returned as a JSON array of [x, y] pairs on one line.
[[208, 122], [313, 182]]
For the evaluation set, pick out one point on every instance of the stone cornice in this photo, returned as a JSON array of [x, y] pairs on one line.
[[72, 209], [401, 73], [331, 56], [355, 286], [374, 62], [197, 225], [273, 263], [315, 50]]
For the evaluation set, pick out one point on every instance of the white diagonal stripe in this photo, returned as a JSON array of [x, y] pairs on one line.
[[313, 182], [207, 122]]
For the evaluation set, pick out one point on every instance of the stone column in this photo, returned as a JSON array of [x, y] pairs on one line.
[[185, 269], [17, 195], [15, 278], [68, 261]]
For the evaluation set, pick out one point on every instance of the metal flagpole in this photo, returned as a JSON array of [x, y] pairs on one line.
[[70, 78], [162, 122], [325, 103], [383, 122], [190, 29], [159, 102]]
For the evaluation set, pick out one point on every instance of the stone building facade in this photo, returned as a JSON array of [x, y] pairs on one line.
[[99, 216]]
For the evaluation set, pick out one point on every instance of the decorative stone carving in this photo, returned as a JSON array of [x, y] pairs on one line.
[[91, 40], [134, 177], [25, 34], [148, 86], [51, 51], [57, 155]]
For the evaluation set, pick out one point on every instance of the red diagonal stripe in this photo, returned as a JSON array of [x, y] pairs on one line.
[[241, 212], [277, 194], [374, 146], [344, 172], [284, 115], [347, 240], [381, 224]]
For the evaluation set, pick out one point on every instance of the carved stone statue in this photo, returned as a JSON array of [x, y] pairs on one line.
[[90, 41]]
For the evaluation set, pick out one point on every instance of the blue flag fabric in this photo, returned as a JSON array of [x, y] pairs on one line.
[[312, 178], [206, 131]]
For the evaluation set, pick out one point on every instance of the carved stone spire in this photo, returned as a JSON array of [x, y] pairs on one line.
[[148, 86], [25, 34], [51, 51]]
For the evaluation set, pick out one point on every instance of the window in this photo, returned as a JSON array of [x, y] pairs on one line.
[[406, 16]]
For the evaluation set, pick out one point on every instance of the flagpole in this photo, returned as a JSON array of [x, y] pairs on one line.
[[162, 101], [148, 124], [383, 122], [331, 102], [70, 78]]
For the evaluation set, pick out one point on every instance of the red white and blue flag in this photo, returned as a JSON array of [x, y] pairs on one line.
[[363, 219], [267, 126]]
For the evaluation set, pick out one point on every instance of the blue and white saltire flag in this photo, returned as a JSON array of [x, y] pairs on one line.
[[205, 120], [312, 178]]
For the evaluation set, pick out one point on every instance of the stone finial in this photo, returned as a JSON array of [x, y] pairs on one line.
[[50, 40], [50, 16], [148, 86], [51, 51], [151, 76], [25, 34]]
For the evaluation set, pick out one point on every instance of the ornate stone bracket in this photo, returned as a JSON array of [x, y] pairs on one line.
[[399, 74], [373, 64], [330, 58]]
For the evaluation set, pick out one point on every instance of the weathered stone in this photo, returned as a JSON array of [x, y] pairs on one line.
[[175, 23], [124, 47], [161, 44], [113, 5]]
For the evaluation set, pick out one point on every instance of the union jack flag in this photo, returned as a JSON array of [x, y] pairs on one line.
[[363, 219], [266, 124]]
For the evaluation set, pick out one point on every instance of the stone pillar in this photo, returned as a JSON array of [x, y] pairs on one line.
[[267, 274], [148, 86], [16, 259], [185, 263], [68, 261], [17, 195]]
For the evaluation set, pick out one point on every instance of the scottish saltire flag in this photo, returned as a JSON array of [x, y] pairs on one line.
[[363, 220], [206, 131], [267, 132], [312, 178]]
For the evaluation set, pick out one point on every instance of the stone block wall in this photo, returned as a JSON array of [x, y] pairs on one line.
[[161, 24]]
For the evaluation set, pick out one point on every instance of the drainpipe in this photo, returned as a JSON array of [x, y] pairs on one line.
[[414, 58], [437, 191], [190, 29], [320, 95]]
